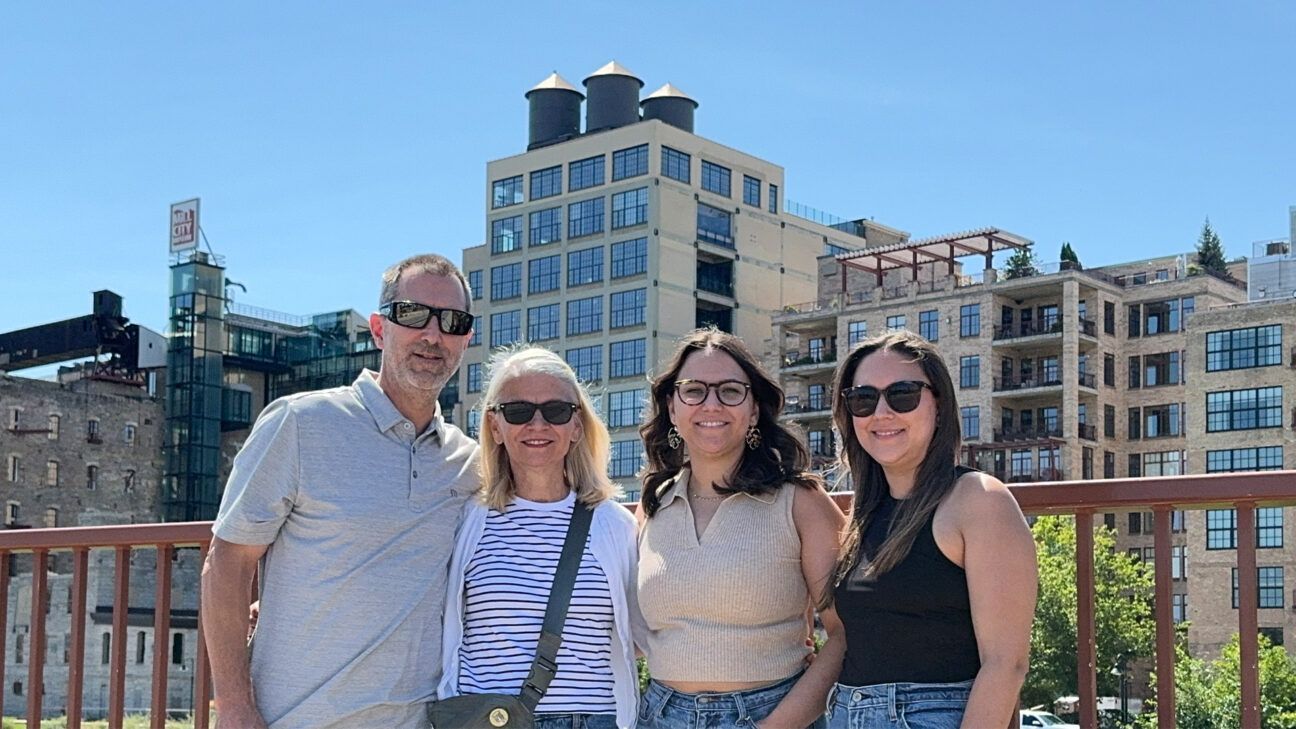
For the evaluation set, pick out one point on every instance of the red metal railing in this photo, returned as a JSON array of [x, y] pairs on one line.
[[1163, 495], [41, 543]]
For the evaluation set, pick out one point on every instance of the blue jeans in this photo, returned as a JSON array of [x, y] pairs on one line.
[[898, 706], [575, 721], [662, 707]]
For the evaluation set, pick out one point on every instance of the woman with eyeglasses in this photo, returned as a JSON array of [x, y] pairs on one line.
[[936, 581], [545, 453], [737, 539]]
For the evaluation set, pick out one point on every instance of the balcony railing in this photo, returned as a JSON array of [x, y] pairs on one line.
[[1034, 329], [716, 285], [1245, 492], [823, 356], [1089, 380], [1008, 384], [1032, 476], [1088, 432], [1009, 435]]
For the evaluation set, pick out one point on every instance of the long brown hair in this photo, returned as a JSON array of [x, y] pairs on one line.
[[780, 458], [935, 477]]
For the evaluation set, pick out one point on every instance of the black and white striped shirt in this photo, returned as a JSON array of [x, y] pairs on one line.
[[506, 591]]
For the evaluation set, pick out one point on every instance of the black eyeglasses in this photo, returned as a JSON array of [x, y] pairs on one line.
[[694, 392], [417, 316], [902, 397], [520, 412]]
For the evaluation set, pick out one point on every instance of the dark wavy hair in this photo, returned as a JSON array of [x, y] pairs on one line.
[[935, 477], [780, 459]]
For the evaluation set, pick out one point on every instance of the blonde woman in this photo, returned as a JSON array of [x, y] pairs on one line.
[[544, 452]]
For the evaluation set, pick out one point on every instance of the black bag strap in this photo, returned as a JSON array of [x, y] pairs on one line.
[[545, 665]]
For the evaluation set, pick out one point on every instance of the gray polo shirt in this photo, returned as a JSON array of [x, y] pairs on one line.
[[360, 515]]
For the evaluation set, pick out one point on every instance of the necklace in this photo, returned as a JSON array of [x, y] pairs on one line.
[[700, 497]]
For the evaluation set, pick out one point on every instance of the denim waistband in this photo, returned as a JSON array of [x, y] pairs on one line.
[[728, 701], [884, 694]]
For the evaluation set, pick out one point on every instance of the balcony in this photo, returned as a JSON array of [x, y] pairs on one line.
[[716, 285], [1010, 384], [1088, 432], [1033, 476], [1020, 331], [813, 407], [1026, 435], [794, 361], [1089, 380]]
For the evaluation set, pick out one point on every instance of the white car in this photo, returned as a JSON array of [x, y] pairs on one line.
[[1044, 719]]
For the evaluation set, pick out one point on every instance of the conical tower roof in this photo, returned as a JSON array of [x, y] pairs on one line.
[[614, 69], [669, 91], [554, 82]]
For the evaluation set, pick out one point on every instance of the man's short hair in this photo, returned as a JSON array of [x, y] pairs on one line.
[[432, 263]]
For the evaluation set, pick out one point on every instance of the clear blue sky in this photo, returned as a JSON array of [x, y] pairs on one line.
[[330, 139]]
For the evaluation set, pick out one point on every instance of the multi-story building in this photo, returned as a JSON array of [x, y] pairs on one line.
[[607, 246], [1064, 374]]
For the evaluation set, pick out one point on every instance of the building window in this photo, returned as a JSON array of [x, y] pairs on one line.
[[587, 362], [546, 226], [585, 217], [11, 468], [676, 164], [475, 284], [1135, 373], [895, 322], [506, 234], [506, 281], [474, 377], [971, 417], [54, 421], [1109, 369], [715, 178], [627, 308], [1163, 463], [626, 457], [1178, 563], [1273, 635], [627, 358], [818, 442], [1221, 529], [970, 371], [584, 315], [542, 323], [1161, 317], [52, 473], [856, 332], [1161, 369], [1237, 349], [51, 517], [629, 258], [105, 648], [773, 198], [129, 433], [1264, 458], [506, 328], [177, 649], [543, 274], [1269, 527], [92, 431], [715, 225], [630, 162], [1244, 409], [625, 408], [1269, 582], [1179, 608], [630, 208], [546, 182], [1109, 464], [139, 647], [92, 477], [929, 325], [585, 266], [585, 173], [970, 320], [473, 426], [506, 192], [13, 511], [751, 191], [1160, 421]]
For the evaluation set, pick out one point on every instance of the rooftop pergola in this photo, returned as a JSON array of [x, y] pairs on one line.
[[948, 248]]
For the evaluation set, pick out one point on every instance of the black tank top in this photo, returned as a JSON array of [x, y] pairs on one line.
[[912, 624]]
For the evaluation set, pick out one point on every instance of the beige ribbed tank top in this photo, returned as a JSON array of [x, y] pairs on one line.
[[728, 607]]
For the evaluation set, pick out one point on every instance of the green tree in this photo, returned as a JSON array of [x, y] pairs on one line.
[[1210, 251], [1123, 590], [1021, 263], [1068, 255], [1208, 694]]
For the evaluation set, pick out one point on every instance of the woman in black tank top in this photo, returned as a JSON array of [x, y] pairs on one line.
[[935, 587]]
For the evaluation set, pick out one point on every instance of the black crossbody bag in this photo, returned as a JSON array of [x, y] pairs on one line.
[[503, 711]]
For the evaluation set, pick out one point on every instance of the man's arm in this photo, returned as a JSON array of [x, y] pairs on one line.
[[226, 593]]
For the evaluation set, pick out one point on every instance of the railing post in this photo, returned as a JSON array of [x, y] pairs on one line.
[[4, 619], [117, 668], [76, 651], [1165, 648], [161, 635], [1248, 607], [1086, 646], [36, 660], [202, 690]]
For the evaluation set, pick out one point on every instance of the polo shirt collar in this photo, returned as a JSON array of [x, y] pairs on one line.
[[384, 413], [678, 488]]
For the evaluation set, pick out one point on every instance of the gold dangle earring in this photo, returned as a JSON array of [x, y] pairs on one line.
[[753, 437], [673, 438]]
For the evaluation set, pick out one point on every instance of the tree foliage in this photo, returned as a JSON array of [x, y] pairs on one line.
[[1208, 694], [1210, 251], [1068, 255], [1021, 263], [1125, 629]]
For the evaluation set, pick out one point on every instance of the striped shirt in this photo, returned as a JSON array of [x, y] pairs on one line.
[[506, 591]]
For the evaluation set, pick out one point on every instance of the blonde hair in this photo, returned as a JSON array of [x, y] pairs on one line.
[[586, 466]]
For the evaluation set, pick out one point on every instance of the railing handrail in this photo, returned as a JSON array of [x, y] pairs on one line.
[[177, 534]]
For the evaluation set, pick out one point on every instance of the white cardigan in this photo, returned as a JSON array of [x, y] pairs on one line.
[[614, 544]]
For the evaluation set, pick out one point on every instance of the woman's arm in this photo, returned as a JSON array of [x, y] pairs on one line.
[[819, 524], [999, 559]]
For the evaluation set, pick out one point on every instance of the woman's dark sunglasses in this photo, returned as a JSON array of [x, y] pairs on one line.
[[417, 316], [520, 412], [902, 397], [694, 392]]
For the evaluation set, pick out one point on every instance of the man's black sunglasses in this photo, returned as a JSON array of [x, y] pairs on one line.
[[416, 316], [520, 412], [902, 397]]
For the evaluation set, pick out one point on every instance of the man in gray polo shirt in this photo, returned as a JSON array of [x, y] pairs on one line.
[[350, 499]]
